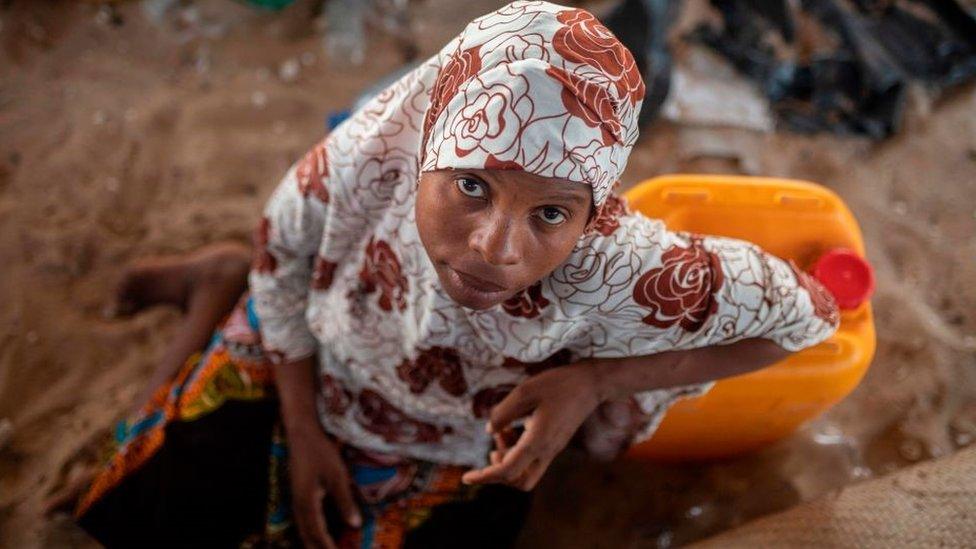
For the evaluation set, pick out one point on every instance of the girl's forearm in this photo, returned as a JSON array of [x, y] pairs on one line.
[[296, 391], [621, 377]]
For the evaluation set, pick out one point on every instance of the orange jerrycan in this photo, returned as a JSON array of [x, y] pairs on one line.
[[794, 220]]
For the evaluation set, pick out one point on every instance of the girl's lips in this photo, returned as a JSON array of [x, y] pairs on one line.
[[472, 292], [477, 283]]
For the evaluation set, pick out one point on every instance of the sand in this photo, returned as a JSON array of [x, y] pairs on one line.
[[118, 142]]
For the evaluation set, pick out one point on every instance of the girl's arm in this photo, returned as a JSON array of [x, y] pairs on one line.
[[288, 265], [316, 468], [695, 309], [616, 378], [557, 401]]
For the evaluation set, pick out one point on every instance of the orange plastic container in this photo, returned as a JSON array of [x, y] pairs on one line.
[[793, 220]]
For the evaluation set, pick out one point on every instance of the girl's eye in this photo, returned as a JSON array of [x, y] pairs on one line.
[[471, 187], [552, 216]]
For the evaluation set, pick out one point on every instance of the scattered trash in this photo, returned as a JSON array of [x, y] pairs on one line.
[[188, 15], [706, 91], [308, 59], [860, 472], [99, 117], [259, 99], [393, 16], [156, 10], [899, 207], [344, 23], [694, 511], [829, 434], [108, 15], [964, 439], [665, 539], [190, 20], [739, 147], [642, 26], [289, 69], [202, 60], [271, 5], [345, 38], [863, 56]]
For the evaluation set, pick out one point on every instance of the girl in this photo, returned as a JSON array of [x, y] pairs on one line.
[[443, 292]]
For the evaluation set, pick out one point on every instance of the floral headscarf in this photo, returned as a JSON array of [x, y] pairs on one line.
[[539, 88]]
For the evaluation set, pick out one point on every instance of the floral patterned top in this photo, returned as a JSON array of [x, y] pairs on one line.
[[340, 271]]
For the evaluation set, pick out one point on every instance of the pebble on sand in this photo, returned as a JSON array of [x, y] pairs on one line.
[[289, 69]]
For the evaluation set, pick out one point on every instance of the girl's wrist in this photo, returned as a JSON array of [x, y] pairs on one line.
[[297, 394], [604, 374], [299, 414]]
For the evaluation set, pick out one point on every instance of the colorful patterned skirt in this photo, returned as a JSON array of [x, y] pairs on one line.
[[204, 463]]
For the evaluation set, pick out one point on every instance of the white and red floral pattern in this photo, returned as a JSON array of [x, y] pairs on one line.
[[682, 290], [528, 303], [382, 271], [313, 171], [340, 270], [492, 101]]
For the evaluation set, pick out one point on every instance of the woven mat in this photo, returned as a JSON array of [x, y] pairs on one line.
[[929, 505]]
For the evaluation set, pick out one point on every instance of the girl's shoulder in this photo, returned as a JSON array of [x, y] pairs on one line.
[[599, 274], [618, 229]]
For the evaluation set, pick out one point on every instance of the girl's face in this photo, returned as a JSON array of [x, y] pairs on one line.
[[491, 233]]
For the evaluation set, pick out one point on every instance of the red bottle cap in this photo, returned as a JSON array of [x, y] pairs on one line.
[[846, 275]]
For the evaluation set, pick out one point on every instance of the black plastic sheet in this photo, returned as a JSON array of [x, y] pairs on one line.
[[856, 83]]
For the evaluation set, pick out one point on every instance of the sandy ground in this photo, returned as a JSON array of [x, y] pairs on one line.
[[124, 141]]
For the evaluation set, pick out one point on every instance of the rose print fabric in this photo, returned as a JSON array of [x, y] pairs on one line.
[[539, 88], [340, 271]]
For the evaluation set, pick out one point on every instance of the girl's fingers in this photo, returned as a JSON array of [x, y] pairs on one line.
[[500, 443], [534, 473], [342, 495], [512, 465], [310, 517], [517, 404]]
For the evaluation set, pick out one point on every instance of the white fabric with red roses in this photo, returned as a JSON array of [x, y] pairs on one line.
[[340, 270]]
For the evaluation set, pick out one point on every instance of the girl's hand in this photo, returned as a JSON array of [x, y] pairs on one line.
[[315, 464], [317, 472], [609, 431], [556, 403]]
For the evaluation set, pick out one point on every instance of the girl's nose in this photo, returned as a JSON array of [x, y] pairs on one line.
[[495, 240]]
